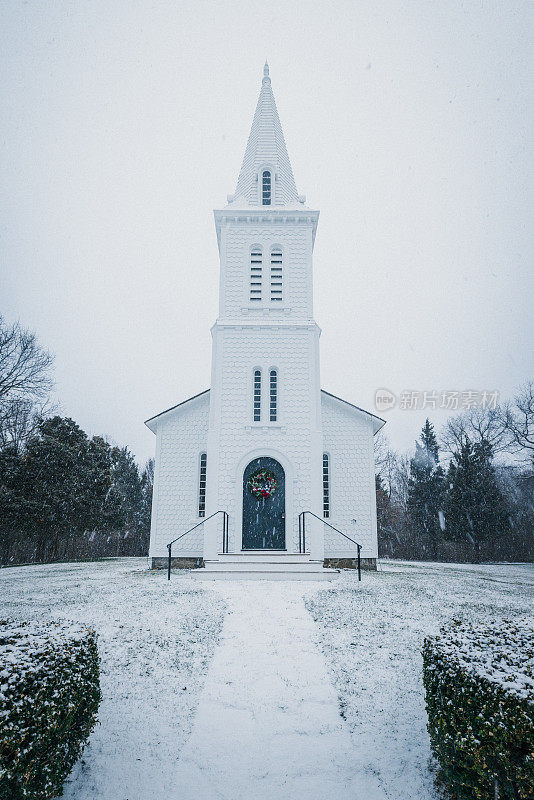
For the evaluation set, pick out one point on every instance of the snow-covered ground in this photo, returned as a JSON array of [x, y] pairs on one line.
[[268, 724], [372, 633], [156, 641], [271, 705]]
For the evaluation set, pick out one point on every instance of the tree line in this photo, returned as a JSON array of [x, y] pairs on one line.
[[63, 495], [454, 499]]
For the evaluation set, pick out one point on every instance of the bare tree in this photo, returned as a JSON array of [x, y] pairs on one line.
[[25, 382], [401, 479], [479, 425], [19, 419], [518, 420], [24, 365], [385, 461]]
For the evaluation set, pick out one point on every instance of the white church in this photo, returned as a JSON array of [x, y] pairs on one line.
[[265, 474]]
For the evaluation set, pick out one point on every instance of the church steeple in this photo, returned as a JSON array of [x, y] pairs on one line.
[[266, 177]]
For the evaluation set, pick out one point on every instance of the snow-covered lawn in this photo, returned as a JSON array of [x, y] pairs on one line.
[[156, 641], [372, 634], [268, 704]]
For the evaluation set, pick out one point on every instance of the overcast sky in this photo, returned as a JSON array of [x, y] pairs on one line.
[[408, 125]]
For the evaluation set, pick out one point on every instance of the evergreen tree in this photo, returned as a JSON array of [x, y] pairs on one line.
[[476, 510], [127, 483], [147, 485], [65, 486], [13, 507], [425, 492]]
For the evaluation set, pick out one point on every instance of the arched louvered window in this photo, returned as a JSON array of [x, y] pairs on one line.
[[255, 274], [266, 191], [276, 274], [273, 395], [326, 485], [203, 464], [257, 395]]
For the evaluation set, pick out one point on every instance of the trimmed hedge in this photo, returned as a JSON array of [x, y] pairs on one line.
[[479, 684], [49, 697]]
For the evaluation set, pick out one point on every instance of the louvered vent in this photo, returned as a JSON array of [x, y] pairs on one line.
[[255, 274], [276, 275]]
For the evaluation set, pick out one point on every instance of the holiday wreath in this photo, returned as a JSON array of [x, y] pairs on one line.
[[262, 483]]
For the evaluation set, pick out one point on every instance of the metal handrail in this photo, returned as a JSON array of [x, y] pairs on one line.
[[224, 543], [302, 536]]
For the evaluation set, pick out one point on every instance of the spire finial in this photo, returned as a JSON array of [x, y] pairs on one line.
[[266, 78]]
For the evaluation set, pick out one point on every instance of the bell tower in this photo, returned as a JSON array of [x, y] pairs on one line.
[[264, 444], [265, 404]]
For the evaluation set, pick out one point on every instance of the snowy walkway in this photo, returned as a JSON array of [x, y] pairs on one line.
[[268, 725]]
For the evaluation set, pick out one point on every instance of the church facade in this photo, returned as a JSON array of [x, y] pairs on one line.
[[265, 444]]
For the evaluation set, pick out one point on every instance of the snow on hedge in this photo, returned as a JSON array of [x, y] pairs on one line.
[[502, 653], [49, 697], [479, 683]]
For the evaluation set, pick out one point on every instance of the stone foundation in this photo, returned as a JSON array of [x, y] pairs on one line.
[[350, 563], [161, 562]]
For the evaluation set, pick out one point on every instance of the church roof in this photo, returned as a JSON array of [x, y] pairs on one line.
[[266, 148], [376, 420], [151, 420]]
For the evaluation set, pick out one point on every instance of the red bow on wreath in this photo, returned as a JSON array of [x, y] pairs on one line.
[[262, 484]]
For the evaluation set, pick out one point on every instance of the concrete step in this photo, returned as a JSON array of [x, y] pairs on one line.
[[272, 565], [269, 556]]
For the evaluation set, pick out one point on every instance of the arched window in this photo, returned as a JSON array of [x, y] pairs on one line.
[[257, 395], [273, 395], [276, 274], [266, 188], [203, 463], [326, 485], [255, 273]]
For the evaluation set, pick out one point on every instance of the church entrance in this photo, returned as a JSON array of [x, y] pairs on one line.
[[264, 505]]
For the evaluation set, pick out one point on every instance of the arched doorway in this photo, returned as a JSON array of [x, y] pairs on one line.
[[264, 505]]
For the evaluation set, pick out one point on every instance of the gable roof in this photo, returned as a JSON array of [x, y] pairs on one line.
[[378, 422], [172, 408]]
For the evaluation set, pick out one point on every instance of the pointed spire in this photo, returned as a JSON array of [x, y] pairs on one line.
[[266, 149]]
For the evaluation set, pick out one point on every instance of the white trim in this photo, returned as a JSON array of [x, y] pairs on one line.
[[152, 422], [269, 325], [254, 426], [265, 310], [352, 407], [262, 215]]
